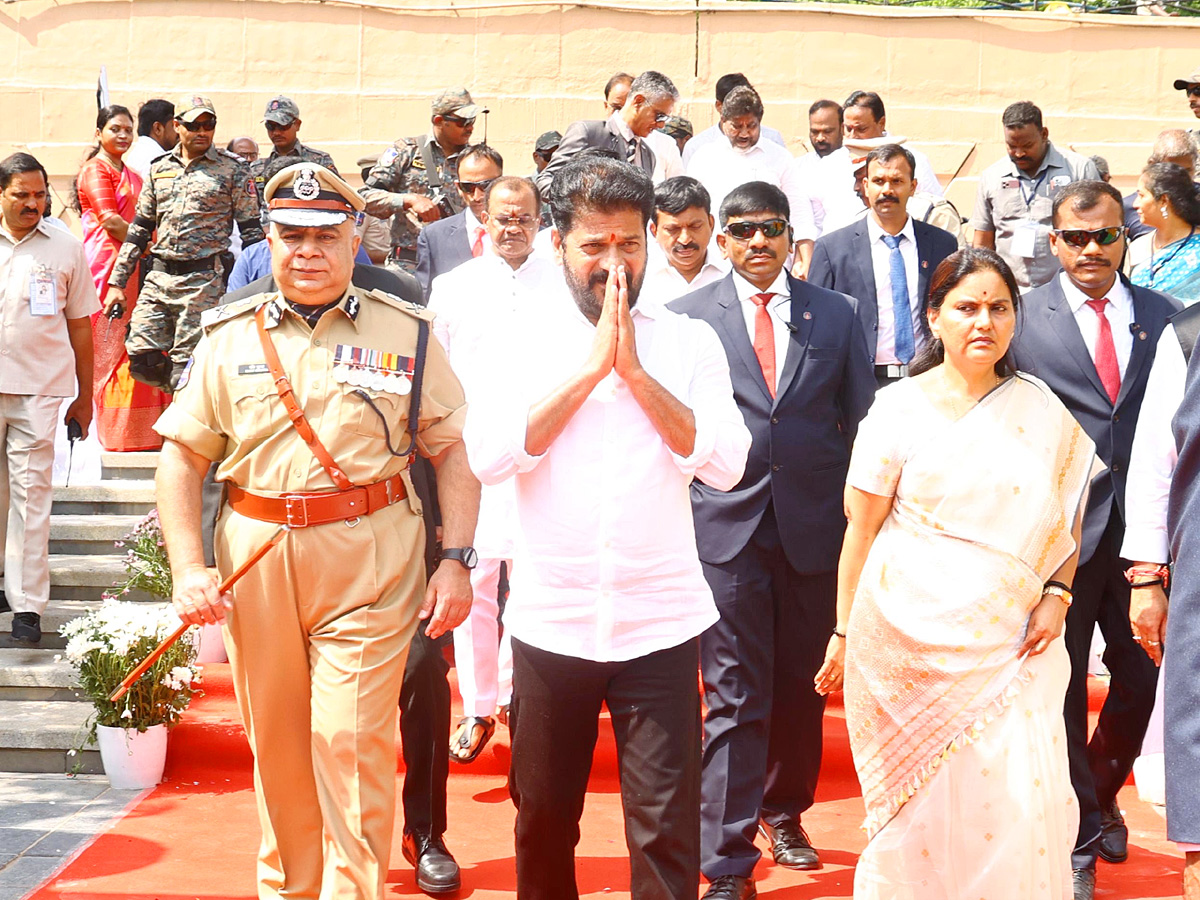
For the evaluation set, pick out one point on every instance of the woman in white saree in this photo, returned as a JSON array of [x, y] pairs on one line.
[[963, 498]]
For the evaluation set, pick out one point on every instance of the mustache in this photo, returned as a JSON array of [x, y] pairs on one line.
[[690, 245], [887, 197], [765, 253]]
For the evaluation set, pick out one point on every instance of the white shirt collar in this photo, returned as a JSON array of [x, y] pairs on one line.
[[659, 262], [779, 287], [473, 224], [1118, 295], [875, 232], [622, 126]]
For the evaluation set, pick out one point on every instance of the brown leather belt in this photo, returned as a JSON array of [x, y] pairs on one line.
[[303, 510]]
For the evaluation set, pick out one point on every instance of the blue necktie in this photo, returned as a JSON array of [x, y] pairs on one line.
[[901, 312]]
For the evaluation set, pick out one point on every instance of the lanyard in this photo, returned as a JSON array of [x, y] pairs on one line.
[[1032, 194]]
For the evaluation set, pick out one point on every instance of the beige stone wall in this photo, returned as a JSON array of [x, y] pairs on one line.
[[363, 73]]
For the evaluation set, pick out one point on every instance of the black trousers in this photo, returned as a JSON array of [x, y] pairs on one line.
[[655, 708], [1100, 767], [762, 734], [425, 735]]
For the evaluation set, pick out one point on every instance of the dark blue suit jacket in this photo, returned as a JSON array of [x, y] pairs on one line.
[[842, 262], [1049, 345], [801, 440], [441, 246]]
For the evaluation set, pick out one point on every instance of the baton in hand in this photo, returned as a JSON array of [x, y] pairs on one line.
[[144, 665]]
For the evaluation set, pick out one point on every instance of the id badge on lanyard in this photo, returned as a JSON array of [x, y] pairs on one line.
[[43, 292]]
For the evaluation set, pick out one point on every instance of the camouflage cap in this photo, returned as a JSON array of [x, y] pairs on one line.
[[547, 141], [282, 111], [192, 106], [306, 195], [677, 127], [1182, 84], [456, 101]]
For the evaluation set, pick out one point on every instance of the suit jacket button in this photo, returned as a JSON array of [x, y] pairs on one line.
[[1116, 417], [774, 420], [1116, 467], [776, 468]]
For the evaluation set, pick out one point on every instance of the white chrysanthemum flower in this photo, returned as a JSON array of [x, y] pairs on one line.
[[128, 714]]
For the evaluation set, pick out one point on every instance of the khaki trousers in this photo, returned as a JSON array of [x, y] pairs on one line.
[[27, 425], [318, 637]]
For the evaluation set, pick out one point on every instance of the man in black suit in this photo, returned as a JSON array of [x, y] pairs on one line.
[[802, 379], [652, 99], [449, 242], [1091, 336], [884, 260]]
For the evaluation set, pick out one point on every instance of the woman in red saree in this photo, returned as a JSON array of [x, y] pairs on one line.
[[963, 496], [107, 193]]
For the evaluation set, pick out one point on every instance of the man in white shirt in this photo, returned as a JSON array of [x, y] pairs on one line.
[[473, 302], [713, 133], [156, 136], [667, 161], [744, 157], [604, 413], [863, 116], [681, 259], [47, 299], [825, 137]]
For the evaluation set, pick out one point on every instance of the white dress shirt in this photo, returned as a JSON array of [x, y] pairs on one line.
[[473, 225], [779, 307], [667, 161], [1118, 311], [881, 253], [473, 303], [663, 282], [144, 151], [627, 133], [710, 135], [721, 167], [811, 171], [1154, 456], [607, 564]]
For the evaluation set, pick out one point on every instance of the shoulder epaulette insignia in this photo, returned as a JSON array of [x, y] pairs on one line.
[[218, 314], [232, 157], [415, 310]]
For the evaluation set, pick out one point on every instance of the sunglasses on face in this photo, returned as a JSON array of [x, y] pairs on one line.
[[470, 187], [743, 231], [275, 126], [1077, 237], [459, 121], [201, 125], [518, 221], [1193, 90]]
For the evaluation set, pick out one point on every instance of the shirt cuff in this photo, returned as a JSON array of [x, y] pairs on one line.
[[1187, 848], [703, 445], [1146, 545], [182, 427]]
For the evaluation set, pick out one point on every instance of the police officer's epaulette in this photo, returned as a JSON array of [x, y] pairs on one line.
[[413, 309], [229, 155], [211, 318]]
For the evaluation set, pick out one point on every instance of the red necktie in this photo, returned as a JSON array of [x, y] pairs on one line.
[[1106, 352], [764, 339], [477, 247]]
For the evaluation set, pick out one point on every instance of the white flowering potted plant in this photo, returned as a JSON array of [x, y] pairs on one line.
[[104, 646]]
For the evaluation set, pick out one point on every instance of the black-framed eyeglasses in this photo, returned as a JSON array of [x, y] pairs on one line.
[[1192, 90], [201, 125], [1078, 237], [459, 120], [744, 231], [523, 222], [470, 187]]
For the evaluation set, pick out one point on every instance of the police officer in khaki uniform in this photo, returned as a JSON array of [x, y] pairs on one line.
[[318, 630], [193, 197], [281, 118], [413, 181]]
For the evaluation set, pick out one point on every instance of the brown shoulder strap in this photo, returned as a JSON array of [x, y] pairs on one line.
[[295, 413]]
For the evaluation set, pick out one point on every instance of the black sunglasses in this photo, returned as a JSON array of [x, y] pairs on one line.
[[275, 126], [201, 125], [458, 120], [470, 187], [1077, 237], [1193, 90], [743, 231]]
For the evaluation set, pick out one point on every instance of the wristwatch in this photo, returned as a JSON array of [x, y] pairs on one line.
[[465, 555]]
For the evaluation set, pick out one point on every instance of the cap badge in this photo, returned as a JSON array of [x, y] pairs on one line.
[[306, 186], [274, 104]]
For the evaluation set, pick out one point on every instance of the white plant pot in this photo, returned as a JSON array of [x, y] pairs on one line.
[[211, 645], [133, 760]]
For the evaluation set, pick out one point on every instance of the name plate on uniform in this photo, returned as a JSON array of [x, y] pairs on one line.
[[376, 370]]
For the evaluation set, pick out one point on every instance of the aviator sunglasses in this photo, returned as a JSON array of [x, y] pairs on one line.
[[743, 231], [201, 125], [1077, 237]]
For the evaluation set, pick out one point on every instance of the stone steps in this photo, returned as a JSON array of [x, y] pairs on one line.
[[95, 534], [28, 673], [37, 735], [139, 466], [113, 498]]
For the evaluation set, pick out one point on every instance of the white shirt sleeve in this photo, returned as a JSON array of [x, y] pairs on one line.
[[803, 223], [1153, 458]]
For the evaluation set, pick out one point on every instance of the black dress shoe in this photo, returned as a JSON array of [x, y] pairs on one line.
[[27, 626], [1083, 883], [790, 845], [4, 607], [731, 887], [437, 872], [1114, 836]]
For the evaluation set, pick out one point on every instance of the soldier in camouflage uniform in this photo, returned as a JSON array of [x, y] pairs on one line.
[[413, 181], [193, 197], [282, 119]]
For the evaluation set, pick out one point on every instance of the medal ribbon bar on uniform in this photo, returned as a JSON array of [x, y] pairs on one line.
[[378, 370]]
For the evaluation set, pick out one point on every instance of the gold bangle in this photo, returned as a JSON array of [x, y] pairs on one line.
[[1060, 592]]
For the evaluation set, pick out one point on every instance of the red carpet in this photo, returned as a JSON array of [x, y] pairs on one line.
[[195, 836]]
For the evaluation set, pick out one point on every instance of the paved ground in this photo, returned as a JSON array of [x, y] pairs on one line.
[[44, 819]]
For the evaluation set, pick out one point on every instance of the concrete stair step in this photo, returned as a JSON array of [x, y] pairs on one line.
[[118, 498], [35, 674], [86, 576], [56, 614], [94, 534], [36, 735], [140, 465]]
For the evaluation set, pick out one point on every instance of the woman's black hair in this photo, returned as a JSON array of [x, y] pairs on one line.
[[106, 115], [1165, 179]]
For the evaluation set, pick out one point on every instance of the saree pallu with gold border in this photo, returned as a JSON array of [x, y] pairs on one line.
[[957, 740]]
